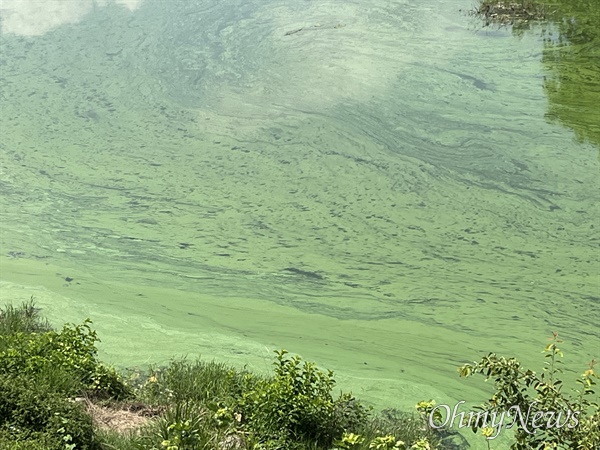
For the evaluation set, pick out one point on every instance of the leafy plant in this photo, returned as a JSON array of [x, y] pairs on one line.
[[39, 370], [428, 412], [181, 435], [544, 416], [387, 442], [349, 441], [297, 404], [30, 411], [72, 350]]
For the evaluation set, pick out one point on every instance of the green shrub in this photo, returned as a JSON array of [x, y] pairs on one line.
[[39, 370], [349, 413], [30, 412], [11, 440], [540, 400], [297, 405], [73, 351]]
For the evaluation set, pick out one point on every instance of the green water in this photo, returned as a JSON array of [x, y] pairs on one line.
[[390, 192]]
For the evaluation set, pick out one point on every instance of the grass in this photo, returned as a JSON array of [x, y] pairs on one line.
[[55, 394], [25, 319]]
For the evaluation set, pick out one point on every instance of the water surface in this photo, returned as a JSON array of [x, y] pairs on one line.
[[384, 192]]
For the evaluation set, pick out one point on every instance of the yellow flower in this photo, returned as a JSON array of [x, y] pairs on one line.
[[488, 432]]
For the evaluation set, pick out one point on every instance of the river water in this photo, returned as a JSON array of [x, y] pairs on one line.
[[379, 188]]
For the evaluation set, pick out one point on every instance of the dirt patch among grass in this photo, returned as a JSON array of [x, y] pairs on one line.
[[123, 417]]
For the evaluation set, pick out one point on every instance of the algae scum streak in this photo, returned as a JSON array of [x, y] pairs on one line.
[[390, 190]]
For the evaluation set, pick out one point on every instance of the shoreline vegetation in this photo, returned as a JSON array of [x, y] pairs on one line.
[[512, 13], [56, 395]]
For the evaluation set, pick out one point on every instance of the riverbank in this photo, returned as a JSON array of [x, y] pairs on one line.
[[57, 394]]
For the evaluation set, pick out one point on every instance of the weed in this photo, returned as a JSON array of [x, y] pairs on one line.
[[546, 416]]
